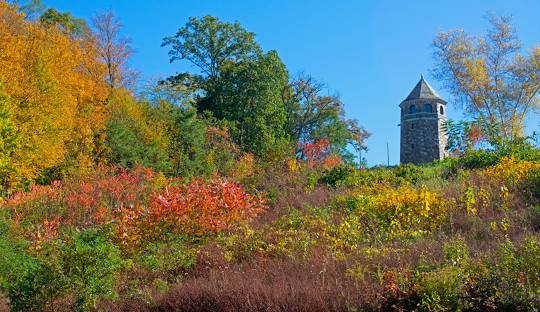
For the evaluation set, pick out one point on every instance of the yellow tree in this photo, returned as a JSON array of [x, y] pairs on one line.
[[490, 76], [56, 94]]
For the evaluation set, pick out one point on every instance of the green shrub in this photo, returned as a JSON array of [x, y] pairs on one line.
[[441, 290], [518, 271], [20, 272], [409, 173], [165, 256], [80, 268], [456, 252], [474, 159], [338, 176]]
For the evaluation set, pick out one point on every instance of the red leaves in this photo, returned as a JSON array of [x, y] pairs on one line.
[[318, 154], [97, 196], [140, 205], [204, 206]]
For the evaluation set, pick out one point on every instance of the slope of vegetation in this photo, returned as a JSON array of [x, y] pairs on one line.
[[233, 188]]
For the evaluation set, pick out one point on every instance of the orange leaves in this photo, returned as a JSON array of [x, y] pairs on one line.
[[318, 154], [140, 205], [56, 91], [201, 206]]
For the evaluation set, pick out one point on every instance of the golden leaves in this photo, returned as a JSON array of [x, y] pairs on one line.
[[56, 92]]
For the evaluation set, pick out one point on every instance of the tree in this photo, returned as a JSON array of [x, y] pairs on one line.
[[314, 116], [489, 75], [65, 21], [237, 81], [31, 9], [8, 144], [114, 50], [55, 96], [135, 136], [208, 43], [251, 98]]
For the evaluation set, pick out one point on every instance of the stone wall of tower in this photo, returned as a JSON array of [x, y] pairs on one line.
[[422, 136]]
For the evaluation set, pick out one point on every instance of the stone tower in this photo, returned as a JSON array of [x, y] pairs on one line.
[[423, 114]]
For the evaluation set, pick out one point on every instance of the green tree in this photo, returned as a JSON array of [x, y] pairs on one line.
[[495, 82], [135, 136], [313, 115], [208, 43], [252, 99], [237, 81], [65, 21]]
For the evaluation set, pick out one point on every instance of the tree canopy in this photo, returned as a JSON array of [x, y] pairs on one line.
[[490, 76]]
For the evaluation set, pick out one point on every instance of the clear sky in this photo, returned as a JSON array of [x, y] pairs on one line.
[[370, 52]]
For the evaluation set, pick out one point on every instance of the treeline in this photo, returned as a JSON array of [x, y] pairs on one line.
[[70, 101]]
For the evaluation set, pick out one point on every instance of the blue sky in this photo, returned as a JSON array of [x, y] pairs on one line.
[[370, 52]]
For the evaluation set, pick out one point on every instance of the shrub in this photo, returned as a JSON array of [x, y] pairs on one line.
[[163, 256], [409, 173], [18, 273], [80, 268], [518, 270], [201, 207], [402, 211], [88, 264], [440, 290], [338, 175], [474, 159]]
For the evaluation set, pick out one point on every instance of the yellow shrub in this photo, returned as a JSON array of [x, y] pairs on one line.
[[512, 171], [405, 208]]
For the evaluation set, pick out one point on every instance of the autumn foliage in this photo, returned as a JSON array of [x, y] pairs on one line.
[[141, 205], [58, 108]]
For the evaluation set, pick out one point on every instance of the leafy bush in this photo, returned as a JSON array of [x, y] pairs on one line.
[[18, 273], [475, 159], [338, 175], [80, 268], [440, 290], [164, 256], [87, 263], [409, 173], [518, 271]]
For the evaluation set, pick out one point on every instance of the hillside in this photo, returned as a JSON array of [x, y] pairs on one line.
[[315, 238], [236, 187]]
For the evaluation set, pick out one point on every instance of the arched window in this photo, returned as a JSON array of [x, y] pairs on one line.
[[412, 109], [441, 109], [428, 108]]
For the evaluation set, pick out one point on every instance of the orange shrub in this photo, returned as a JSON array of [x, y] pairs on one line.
[[204, 206]]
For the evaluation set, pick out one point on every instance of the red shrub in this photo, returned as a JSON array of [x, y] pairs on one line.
[[203, 206]]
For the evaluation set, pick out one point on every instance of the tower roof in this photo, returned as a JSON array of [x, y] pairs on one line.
[[423, 90]]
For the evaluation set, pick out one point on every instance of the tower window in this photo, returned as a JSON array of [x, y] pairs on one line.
[[428, 108], [412, 146], [441, 109], [412, 109], [412, 125]]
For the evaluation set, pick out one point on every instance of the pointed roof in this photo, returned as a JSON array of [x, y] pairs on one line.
[[423, 90]]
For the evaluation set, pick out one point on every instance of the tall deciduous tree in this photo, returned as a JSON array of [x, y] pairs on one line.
[[8, 143], [239, 82], [135, 135], [208, 43], [251, 99], [65, 21], [55, 96], [314, 115], [490, 76], [114, 50]]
